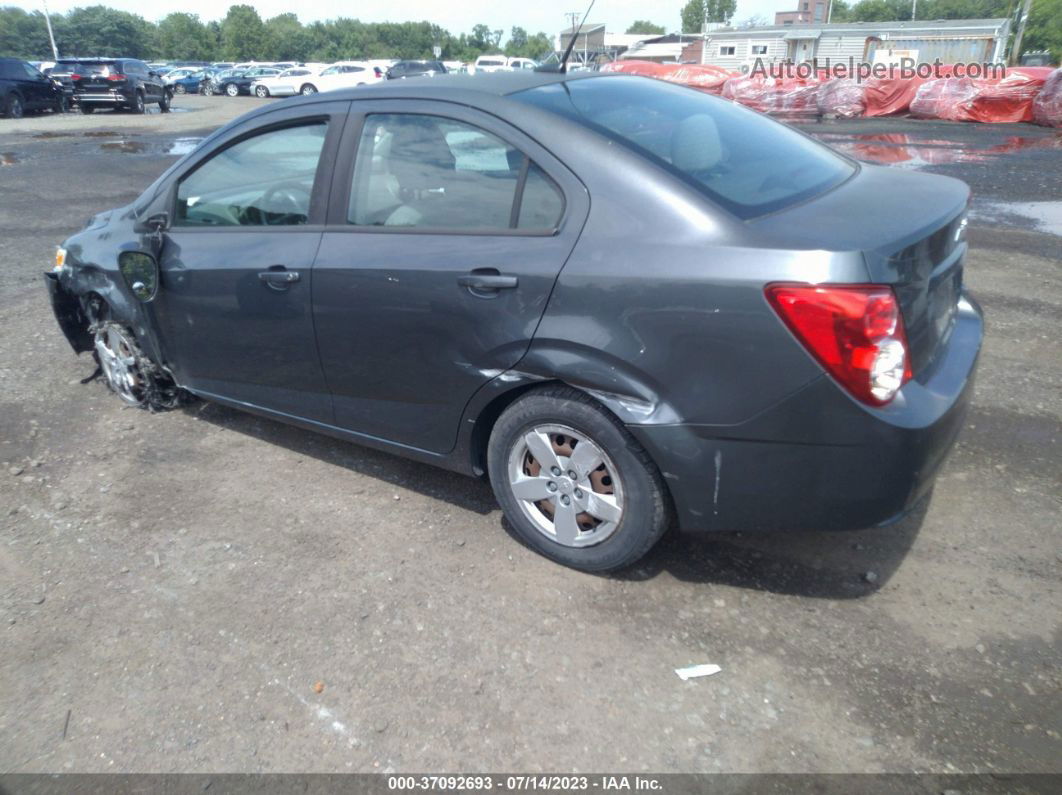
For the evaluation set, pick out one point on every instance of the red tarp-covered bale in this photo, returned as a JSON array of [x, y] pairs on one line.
[[1047, 105], [983, 99], [705, 78], [796, 96], [844, 97]]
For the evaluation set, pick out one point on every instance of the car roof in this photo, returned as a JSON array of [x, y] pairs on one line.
[[494, 83]]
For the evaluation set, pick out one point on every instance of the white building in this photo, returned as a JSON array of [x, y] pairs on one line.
[[950, 40]]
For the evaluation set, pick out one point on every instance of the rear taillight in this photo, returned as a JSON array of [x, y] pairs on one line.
[[75, 77], [854, 331], [115, 78]]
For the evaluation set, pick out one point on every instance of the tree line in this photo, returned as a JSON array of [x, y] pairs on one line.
[[242, 35]]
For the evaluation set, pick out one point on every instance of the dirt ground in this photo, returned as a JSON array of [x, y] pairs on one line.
[[204, 590]]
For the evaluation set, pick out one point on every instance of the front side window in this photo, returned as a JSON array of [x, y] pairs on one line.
[[437, 173], [266, 180], [331, 70], [747, 163]]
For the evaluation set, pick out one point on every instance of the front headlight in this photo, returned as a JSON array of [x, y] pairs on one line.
[[60, 258]]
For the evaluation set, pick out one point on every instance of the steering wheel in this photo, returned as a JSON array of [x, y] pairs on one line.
[[292, 200]]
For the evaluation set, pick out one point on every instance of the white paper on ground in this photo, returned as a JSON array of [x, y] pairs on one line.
[[694, 671]]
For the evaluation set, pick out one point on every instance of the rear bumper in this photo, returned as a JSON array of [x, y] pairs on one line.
[[818, 460], [103, 97]]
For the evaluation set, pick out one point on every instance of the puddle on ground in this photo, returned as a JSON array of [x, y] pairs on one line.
[[178, 147], [129, 147], [907, 151], [1042, 216], [8, 159], [183, 146]]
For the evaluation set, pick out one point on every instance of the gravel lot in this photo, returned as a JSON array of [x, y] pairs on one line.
[[203, 590]]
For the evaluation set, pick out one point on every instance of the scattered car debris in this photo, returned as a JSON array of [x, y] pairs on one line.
[[695, 671]]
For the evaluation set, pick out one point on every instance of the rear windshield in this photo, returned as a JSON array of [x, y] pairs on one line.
[[89, 68], [749, 164]]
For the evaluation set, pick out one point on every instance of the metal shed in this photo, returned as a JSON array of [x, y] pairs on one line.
[[951, 40]]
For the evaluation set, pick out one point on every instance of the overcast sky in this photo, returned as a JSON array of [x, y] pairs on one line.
[[457, 17]]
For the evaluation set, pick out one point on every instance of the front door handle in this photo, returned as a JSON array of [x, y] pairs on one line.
[[487, 281], [278, 279]]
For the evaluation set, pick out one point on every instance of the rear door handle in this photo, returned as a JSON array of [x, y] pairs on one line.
[[487, 280], [278, 279]]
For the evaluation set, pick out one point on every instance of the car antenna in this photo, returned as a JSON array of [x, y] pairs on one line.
[[563, 69]]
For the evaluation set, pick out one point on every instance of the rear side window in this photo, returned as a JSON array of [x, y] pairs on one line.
[[749, 164], [266, 180], [431, 172]]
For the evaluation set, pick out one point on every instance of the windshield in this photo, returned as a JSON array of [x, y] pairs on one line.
[[749, 164]]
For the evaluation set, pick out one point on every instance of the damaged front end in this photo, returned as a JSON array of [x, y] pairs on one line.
[[97, 310]]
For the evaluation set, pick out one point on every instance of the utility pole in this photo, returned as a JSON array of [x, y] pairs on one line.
[[51, 36], [914, 9], [574, 17], [1015, 54]]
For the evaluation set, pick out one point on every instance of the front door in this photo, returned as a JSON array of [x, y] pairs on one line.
[[234, 310], [436, 266]]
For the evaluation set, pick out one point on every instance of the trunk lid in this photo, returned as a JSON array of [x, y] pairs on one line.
[[909, 228]]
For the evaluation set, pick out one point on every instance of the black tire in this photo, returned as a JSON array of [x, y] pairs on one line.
[[15, 108], [87, 108], [206, 89], [62, 104], [164, 103], [308, 89], [646, 507], [138, 105], [261, 92], [232, 90], [179, 88]]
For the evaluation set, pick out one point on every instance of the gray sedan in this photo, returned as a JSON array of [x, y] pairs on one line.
[[629, 304]]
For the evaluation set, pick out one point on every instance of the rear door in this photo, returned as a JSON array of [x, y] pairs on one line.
[[447, 230], [234, 310]]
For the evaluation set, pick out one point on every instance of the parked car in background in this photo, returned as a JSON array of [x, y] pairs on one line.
[[234, 82], [185, 80], [343, 74], [121, 83], [24, 89], [285, 84], [404, 69], [523, 63], [491, 63], [629, 303]]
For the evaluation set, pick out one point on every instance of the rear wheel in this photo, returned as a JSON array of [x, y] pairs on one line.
[[232, 90], [179, 89], [573, 483], [15, 109], [261, 91], [138, 103], [207, 90], [62, 104], [308, 89], [87, 108], [164, 103]]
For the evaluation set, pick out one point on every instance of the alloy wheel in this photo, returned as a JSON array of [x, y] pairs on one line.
[[15, 108], [307, 90], [566, 485], [232, 90], [119, 363]]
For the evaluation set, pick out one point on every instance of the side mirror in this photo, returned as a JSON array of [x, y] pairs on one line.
[[141, 273]]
